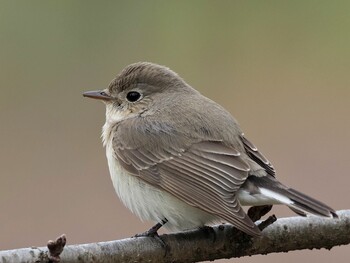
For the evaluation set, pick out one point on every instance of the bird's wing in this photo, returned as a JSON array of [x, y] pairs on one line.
[[205, 174], [257, 156]]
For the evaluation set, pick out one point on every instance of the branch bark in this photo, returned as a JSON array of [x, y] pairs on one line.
[[286, 234]]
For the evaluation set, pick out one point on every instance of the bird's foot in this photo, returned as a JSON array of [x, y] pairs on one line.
[[153, 232]]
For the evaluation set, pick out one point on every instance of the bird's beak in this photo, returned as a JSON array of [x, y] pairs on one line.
[[97, 94]]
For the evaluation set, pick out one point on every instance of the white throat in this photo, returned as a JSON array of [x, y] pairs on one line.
[[113, 116]]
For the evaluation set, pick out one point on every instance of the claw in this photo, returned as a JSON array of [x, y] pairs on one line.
[[153, 232]]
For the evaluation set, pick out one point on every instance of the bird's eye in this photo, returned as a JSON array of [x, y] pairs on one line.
[[133, 96]]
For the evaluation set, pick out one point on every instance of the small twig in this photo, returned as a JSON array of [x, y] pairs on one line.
[[55, 248], [257, 212], [269, 221]]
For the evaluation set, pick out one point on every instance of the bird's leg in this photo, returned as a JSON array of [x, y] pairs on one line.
[[153, 231]]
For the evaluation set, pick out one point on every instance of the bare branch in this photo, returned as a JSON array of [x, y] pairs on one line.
[[224, 241]]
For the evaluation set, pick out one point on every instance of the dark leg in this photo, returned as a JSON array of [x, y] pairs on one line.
[[153, 231]]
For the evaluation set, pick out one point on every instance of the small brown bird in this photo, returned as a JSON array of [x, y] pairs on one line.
[[180, 159]]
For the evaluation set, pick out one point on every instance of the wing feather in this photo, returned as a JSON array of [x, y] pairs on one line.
[[205, 175], [226, 160], [227, 172], [206, 172], [192, 175], [215, 147], [257, 156]]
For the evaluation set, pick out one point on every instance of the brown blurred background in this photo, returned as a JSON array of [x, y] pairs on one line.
[[281, 67]]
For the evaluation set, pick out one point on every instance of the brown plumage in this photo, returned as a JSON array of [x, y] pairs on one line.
[[182, 147]]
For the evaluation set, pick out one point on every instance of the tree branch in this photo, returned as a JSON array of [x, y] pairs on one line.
[[224, 241]]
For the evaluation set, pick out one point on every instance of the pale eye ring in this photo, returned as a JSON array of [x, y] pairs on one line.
[[133, 96]]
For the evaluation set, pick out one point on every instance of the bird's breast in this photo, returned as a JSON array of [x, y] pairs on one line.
[[152, 203]]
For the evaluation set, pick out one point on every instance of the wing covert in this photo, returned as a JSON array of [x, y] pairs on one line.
[[205, 175]]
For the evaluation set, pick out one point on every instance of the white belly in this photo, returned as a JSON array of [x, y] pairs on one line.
[[150, 203]]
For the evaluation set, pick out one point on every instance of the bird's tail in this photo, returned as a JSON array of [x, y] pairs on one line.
[[295, 200]]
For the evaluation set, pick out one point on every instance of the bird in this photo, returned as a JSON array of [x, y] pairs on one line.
[[181, 160]]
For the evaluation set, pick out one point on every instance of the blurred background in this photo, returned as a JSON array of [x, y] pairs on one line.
[[280, 67]]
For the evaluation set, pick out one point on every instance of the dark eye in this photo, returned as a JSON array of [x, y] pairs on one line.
[[133, 96]]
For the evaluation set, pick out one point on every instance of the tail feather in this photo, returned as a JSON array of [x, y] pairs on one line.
[[308, 204], [295, 200], [297, 211]]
